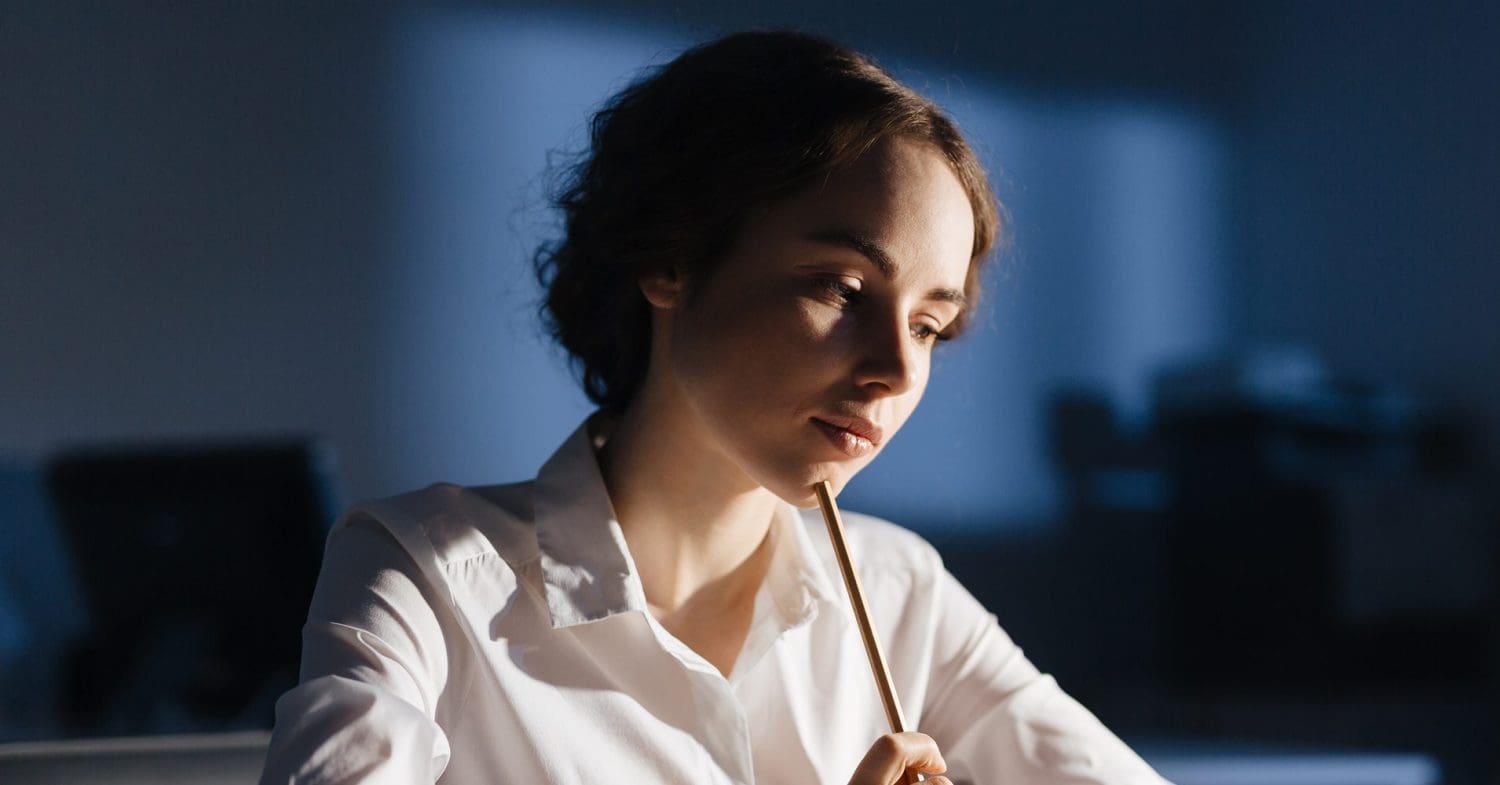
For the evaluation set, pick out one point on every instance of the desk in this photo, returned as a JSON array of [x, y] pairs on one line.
[[236, 758]]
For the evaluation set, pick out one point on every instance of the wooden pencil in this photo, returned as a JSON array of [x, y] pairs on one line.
[[873, 652]]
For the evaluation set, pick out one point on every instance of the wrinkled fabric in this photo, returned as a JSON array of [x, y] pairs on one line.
[[500, 634]]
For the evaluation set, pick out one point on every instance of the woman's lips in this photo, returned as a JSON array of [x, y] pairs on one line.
[[848, 440], [855, 424]]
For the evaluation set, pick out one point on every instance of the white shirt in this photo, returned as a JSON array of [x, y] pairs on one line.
[[500, 634]]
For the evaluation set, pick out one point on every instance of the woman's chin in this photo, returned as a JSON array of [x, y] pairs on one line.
[[798, 489]]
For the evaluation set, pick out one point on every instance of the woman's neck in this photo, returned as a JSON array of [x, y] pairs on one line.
[[696, 525]]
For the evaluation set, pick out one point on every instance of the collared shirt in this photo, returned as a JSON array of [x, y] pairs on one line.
[[500, 634]]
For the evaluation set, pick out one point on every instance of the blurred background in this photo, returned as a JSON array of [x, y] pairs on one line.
[[1221, 455]]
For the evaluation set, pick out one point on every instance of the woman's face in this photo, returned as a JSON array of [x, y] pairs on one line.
[[807, 347]]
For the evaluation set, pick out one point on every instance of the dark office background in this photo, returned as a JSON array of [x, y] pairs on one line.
[[1222, 456]]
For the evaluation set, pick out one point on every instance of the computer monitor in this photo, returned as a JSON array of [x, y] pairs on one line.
[[197, 563]]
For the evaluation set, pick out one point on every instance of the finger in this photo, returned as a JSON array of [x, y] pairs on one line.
[[884, 762], [893, 754]]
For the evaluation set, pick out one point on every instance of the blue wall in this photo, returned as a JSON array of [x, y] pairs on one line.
[[275, 219], [269, 219], [1367, 184]]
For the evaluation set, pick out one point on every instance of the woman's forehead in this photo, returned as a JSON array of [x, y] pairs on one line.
[[899, 205]]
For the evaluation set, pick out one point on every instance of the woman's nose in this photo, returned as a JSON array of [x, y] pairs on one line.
[[888, 358]]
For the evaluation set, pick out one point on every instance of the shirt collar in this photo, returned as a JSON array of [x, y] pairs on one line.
[[588, 573], [797, 580]]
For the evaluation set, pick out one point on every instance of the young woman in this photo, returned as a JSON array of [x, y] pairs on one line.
[[768, 237]]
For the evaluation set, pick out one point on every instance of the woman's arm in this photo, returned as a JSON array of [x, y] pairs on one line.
[[997, 719], [374, 664]]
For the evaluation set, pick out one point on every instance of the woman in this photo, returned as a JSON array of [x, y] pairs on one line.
[[764, 244]]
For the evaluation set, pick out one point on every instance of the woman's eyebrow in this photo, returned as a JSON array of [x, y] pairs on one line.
[[864, 245], [872, 251]]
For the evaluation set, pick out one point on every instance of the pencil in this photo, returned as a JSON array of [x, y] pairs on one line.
[[861, 611]]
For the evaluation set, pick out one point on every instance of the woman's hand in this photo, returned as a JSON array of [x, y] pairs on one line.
[[893, 755]]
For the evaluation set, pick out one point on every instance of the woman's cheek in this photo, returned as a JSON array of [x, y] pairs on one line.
[[818, 320]]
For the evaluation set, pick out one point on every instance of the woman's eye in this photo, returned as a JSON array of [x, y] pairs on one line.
[[839, 289], [929, 334]]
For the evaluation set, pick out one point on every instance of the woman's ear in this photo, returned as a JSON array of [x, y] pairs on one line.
[[664, 286]]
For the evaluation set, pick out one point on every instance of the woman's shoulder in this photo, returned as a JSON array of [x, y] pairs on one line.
[[445, 523]]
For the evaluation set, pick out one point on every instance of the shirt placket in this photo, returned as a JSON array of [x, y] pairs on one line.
[[725, 730]]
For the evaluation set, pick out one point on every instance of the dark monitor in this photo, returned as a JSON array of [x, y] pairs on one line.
[[196, 563]]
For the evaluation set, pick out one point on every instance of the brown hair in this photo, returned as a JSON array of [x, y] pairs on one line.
[[682, 156]]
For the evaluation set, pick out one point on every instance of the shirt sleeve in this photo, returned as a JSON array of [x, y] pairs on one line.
[[1000, 721], [374, 665]]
